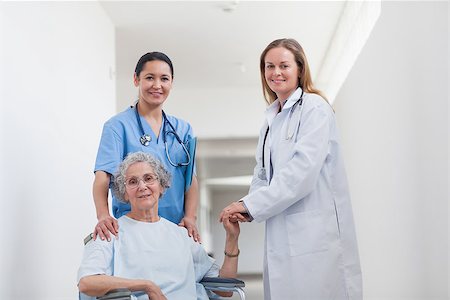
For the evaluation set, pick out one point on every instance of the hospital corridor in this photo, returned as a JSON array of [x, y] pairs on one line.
[[68, 67]]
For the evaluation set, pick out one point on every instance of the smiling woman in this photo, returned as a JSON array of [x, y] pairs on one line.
[[284, 68], [299, 187], [141, 181], [281, 71], [142, 127], [151, 254]]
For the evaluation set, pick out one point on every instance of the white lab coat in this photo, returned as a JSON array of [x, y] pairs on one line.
[[310, 248]]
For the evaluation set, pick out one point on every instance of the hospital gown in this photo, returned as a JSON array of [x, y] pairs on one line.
[[161, 252]]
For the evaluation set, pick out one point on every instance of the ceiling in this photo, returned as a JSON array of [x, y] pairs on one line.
[[218, 43]]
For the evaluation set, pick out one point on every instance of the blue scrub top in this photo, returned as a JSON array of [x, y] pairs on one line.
[[121, 136]]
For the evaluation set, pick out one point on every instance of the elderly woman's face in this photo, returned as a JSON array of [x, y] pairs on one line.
[[142, 187]]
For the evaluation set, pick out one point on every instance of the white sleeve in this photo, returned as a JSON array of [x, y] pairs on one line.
[[97, 259], [299, 175], [213, 271], [204, 265]]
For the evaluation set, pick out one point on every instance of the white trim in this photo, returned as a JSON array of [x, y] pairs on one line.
[[353, 29]]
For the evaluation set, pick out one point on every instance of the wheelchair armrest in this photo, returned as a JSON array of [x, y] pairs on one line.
[[117, 294], [212, 282], [216, 284]]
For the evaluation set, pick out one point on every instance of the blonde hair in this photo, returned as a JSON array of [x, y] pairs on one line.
[[304, 80]]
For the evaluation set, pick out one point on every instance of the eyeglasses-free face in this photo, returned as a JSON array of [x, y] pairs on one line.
[[154, 83], [281, 72]]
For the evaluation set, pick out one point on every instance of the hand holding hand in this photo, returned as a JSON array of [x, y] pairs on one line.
[[191, 226], [235, 212], [105, 226], [231, 227]]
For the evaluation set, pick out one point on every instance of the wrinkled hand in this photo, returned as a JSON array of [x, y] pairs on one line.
[[105, 226], [231, 226], [154, 292], [191, 226], [234, 212]]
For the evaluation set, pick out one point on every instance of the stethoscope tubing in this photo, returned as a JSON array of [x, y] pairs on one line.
[[145, 138], [299, 102]]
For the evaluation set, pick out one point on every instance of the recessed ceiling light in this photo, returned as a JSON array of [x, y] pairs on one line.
[[231, 6]]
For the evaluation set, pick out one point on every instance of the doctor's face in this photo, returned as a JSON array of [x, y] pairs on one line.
[[154, 83], [142, 187], [281, 72]]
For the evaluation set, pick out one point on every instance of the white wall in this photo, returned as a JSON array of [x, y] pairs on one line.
[[393, 116], [57, 92], [200, 107], [242, 116]]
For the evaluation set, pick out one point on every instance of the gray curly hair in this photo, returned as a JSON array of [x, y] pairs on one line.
[[163, 175]]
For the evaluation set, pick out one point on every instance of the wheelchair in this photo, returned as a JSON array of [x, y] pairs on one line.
[[211, 285]]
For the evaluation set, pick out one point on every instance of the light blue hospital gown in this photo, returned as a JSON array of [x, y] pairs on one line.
[[121, 136], [161, 252]]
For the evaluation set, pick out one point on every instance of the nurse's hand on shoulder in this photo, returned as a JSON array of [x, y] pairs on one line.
[[105, 227], [191, 226]]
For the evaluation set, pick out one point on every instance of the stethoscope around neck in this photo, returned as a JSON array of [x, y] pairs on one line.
[[145, 139], [289, 134]]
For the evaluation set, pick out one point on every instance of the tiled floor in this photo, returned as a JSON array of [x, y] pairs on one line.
[[253, 287]]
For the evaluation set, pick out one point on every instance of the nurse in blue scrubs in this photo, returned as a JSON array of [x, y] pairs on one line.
[[143, 127]]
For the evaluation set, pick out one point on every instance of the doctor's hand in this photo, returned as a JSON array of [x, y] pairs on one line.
[[105, 226], [236, 211], [191, 226]]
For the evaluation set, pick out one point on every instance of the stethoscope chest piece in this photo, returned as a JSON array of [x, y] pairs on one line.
[[145, 140], [262, 174]]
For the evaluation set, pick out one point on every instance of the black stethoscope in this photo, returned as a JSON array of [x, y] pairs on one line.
[[145, 139], [289, 134]]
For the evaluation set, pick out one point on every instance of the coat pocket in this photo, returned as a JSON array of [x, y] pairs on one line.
[[310, 232]]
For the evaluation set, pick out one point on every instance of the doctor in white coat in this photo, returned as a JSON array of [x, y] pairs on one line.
[[299, 188]]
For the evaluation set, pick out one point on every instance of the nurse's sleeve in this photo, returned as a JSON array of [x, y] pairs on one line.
[[110, 151], [299, 175], [97, 259], [256, 181]]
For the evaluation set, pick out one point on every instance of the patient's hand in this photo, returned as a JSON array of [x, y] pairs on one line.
[[191, 226], [154, 292], [105, 226], [231, 227]]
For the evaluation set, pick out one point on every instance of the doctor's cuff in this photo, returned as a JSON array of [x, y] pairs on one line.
[[246, 213]]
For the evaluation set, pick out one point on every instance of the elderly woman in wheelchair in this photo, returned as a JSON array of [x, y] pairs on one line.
[[151, 254]]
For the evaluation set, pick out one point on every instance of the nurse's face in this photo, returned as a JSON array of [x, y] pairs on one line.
[[154, 83], [281, 72], [142, 187]]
